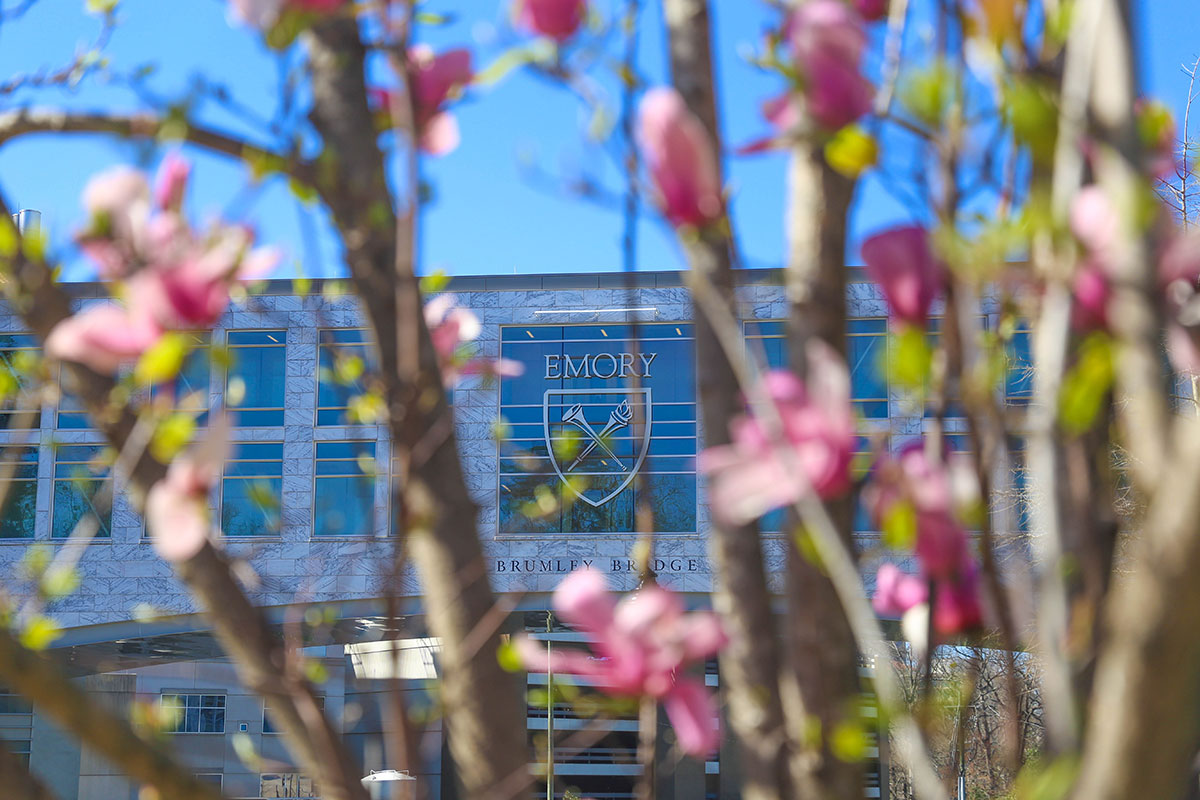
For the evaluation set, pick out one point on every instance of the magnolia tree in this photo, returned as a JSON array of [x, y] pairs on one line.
[[1015, 134]]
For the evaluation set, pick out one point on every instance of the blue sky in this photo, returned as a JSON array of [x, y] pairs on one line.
[[487, 216]]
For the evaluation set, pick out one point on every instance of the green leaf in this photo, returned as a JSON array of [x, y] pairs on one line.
[[366, 409], [36, 559], [305, 193], [899, 525], [171, 436], [163, 361], [849, 742], [348, 369], [40, 632], [508, 61], [101, 6], [1031, 112], [911, 358], [315, 671], [927, 92], [851, 151], [60, 582], [436, 282], [508, 658], [1086, 385]]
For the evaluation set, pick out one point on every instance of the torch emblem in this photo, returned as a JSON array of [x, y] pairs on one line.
[[596, 435]]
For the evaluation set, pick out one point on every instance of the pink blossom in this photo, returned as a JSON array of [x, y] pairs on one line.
[[177, 513], [934, 493], [435, 78], [103, 338], [827, 41], [901, 261], [757, 473], [1092, 290], [171, 182], [681, 159], [1095, 222], [871, 10], [956, 606], [640, 647], [1183, 349], [450, 327], [558, 19], [838, 94], [783, 114], [1180, 260], [896, 591]]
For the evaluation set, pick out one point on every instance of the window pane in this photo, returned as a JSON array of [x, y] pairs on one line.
[[19, 513], [251, 488], [76, 483], [338, 348], [345, 495], [188, 391], [259, 361], [1018, 386], [18, 356]]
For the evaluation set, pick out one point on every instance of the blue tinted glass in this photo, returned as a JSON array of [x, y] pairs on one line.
[[19, 513], [334, 394], [1019, 378], [250, 506], [613, 407], [259, 360], [345, 506], [20, 408], [76, 483]]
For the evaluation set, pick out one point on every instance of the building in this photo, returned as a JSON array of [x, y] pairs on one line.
[[295, 504]]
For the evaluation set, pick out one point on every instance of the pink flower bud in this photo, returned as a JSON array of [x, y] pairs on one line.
[[558, 19], [170, 183], [681, 159], [901, 261], [827, 41], [871, 10], [896, 591]]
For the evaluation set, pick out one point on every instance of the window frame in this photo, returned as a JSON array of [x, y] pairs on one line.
[[28, 458], [369, 357], [104, 531], [372, 482], [181, 720], [14, 413], [232, 347], [226, 477]]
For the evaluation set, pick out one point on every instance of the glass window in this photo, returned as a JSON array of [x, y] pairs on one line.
[[19, 748], [866, 357], [212, 779], [18, 355], [188, 391], [196, 713], [344, 494], [19, 514], [338, 352], [13, 703], [77, 479], [259, 366], [290, 785], [954, 406], [1018, 381], [71, 415], [251, 488], [593, 409]]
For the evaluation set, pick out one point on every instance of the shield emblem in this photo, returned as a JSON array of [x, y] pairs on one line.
[[601, 435]]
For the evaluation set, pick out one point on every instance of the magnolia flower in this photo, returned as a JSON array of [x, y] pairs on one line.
[[558, 19], [640, 647], [956, 606], [171, 182], [681, 159], [435, 78], [901, 261], [936, 490], [1095, 222], [759, 472], [262, 14], [827, 40], [177, 514], [103, 338], [871, 10], [896, 591], [1092, 289]]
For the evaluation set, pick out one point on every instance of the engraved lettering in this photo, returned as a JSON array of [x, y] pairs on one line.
[[627, 365], [553, 366], [577, 369], [612, 373], [647, 360]]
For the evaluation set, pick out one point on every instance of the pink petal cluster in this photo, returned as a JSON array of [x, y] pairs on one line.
[[176, 278], [681, 159], [263, 14], [871, 10], [558, 19], [757, 472], [902, 262], [177, 513], [435, 79], [640, 647], [934, 492], [451, 327], [827, 41]]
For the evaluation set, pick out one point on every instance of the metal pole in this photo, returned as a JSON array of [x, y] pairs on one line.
[[549, 711]]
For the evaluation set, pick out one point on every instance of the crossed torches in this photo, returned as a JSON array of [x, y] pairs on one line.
[[618, 418]]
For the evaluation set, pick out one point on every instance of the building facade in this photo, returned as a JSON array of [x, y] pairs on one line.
[[549, 457]]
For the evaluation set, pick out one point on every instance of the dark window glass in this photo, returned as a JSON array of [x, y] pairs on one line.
[[340, 347], [19, 513], [20, 748], [1018, 383], [269, 727], [251, 488], [259, 362], [592, 409], [77, 480], [13, 703], [18, 356], [71, 415], [196, 713], [344, 494]]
